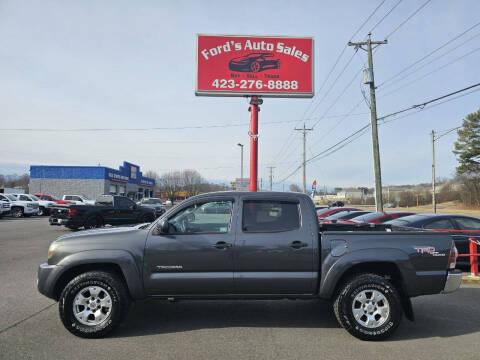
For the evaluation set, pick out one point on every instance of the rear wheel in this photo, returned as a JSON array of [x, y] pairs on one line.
[[41, 211], [17, 212], [369, 307], [93, 304], [92, 222], [255, 66]]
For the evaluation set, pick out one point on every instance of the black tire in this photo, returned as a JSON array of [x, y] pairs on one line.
[[363, 285], [93, 222], [41, 211], [110, 284], [17, 212], [71, 227]]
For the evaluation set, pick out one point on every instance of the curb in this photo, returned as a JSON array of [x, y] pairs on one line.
[[469, 279]]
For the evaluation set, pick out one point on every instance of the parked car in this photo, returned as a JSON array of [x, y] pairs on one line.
[[269, 247], [153, 203], [460, 227], [378, 217], [322, 214], [390, 205], [22, 206], [336, 204], [54, 199], [78, 199], [5, 207], [343, 215], [108, 209], [44, 206]]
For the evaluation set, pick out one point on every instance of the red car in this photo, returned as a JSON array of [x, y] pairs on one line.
[[323, 213], [376, 217], [51, 198]]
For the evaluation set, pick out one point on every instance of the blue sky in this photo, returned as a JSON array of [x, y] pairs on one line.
[[131, 64]]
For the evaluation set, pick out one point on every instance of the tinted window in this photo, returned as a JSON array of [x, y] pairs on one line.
[[270, 216], [211, 217], [439, 224], [3, 197], [24, 198], [123, 203], [468, 223]]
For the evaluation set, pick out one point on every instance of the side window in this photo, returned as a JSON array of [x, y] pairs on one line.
[[123, 203], [77, 198], [24, 198], [270, 216], [467, 223], [210, 217], [439, 224], [67, 197]]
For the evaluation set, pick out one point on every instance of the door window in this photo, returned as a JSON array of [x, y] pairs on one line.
[[210, 217], [24, 198], [444, 224], [124, 203], [467, 223], [270, 216]]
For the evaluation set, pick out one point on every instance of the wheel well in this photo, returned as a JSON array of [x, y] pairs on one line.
[[387, 270], [71, 273]]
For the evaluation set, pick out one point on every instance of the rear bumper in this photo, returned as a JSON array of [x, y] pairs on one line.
[[454, 279], [53, 220]]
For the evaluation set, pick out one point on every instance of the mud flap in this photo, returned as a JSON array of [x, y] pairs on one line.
[[408, 308]]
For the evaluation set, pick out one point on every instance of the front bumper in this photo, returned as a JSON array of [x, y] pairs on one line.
[[454, 279], [47, 276]]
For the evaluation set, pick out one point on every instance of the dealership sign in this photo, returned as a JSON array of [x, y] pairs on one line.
[[270, 66]]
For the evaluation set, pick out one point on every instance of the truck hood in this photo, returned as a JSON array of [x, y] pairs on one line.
[[85, 234]]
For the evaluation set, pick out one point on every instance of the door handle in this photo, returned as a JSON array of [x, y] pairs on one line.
[[298, 244], [222, 245]]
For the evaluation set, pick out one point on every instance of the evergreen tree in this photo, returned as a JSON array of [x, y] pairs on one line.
[[467, 146]]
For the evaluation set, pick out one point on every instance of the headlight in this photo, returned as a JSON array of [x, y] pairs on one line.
[[51, 250]]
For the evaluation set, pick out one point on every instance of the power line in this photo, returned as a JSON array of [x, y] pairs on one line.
[[411, 82], [432, 61], [446, 133], [422, 105], [407, 19], [282, 149], [363, 130], [166, 128], [386, 15], [429, 54]]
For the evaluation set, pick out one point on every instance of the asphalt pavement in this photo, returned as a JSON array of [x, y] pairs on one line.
[[446, 326]]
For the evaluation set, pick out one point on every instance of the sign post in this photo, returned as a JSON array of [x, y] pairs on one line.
[[254, 66]]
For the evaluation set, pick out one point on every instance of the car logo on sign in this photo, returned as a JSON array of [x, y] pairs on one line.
[[429, 250]]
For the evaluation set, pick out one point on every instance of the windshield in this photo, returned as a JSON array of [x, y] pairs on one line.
[[85, 198], [152, 201], [406, 220], [11, 197], [34, 197]]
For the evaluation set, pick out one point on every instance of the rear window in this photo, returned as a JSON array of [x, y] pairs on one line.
[[270, 216], [468, 223], [441, 224], [368, 217]]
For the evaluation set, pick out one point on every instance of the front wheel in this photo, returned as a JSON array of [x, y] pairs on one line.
[[369, 307], [93, 304], [41, 211], [17, 212]]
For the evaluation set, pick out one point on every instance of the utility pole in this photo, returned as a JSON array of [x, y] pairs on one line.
[[368, 79], [271, 175], [304, 131], [434, 199]]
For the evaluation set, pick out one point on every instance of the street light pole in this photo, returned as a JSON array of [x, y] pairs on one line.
[[241, 160]]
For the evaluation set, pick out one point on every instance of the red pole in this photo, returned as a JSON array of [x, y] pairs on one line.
[[254, 102], [473, 256]]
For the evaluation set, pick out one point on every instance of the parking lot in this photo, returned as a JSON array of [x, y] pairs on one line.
[[446, 326]]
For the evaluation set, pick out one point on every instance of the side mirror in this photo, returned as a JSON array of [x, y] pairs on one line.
[[162, 227]]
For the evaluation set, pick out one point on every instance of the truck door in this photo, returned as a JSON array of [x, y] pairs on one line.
[[273, 252], [126, 210], [196, 256]]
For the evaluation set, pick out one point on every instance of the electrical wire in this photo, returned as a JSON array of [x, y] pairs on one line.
[[386, 15], [428, 55], [407, 19]]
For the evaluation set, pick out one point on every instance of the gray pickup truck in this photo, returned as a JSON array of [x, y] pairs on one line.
[[240, 245]]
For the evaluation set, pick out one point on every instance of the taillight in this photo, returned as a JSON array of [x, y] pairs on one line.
[[72, 212], [452, 259]]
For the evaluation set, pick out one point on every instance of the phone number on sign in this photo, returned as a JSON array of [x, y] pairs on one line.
[[257, 84]]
